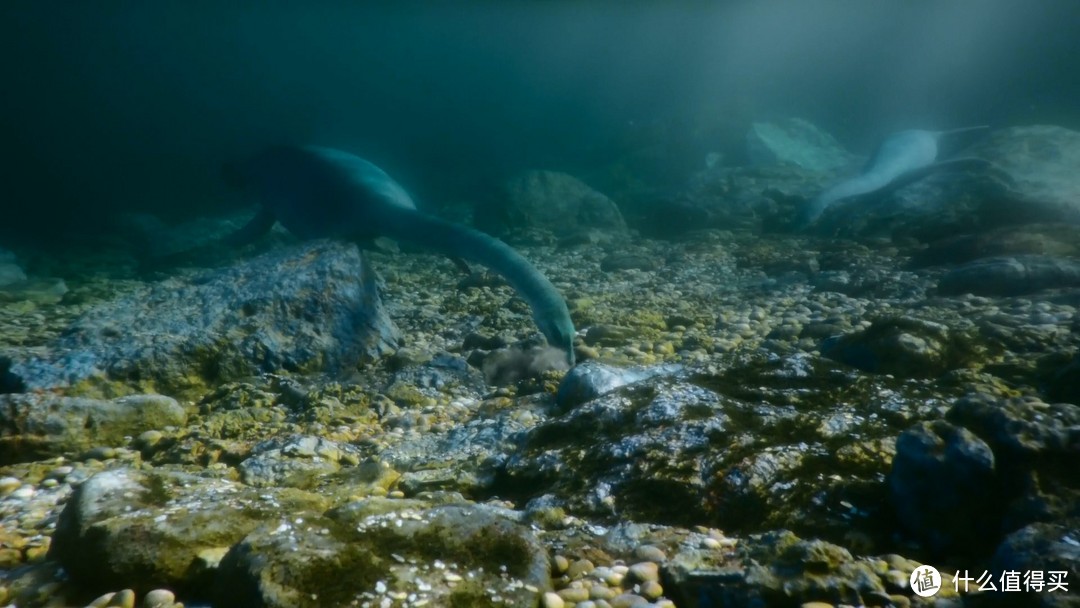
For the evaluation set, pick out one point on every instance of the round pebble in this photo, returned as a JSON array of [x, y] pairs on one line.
[[9, 485], [560, 564], [580, 568], [650, 553], [552, 600], [651, 590], [159, 598], [149, 439], [122, 599], [645, 571], [574, 594]]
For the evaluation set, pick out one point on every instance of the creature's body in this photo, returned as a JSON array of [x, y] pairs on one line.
[[903, 158], [321, 192]]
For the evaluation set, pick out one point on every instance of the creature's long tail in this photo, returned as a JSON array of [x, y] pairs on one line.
[[548, 307]]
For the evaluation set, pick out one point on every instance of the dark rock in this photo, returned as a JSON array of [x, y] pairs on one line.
[[592, 379], [905, 347], [313, 307], [1035, 446], [552, 201], [734, 198], [1063, 382], [943, 487], [1039, 548], [1011, 276], [744, 447], [1053, 240]]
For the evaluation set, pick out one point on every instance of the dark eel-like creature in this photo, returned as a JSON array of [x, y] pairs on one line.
[[317, 192]]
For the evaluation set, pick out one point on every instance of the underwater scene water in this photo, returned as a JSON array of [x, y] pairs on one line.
[[540, 304]]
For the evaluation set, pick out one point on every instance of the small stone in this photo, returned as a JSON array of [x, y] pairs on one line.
[[711, 543], [586, 604], [101, 601], [574, 594], [645, 571], [122, 599], [580, 568], [816, 605], [651, 590], [100, 453], [600, 592], [8, 485], [665, 604], [896, 580], [159, 598], [650, 553], [628, 600], [148, 439], [61, 471], [560, 564], [552, 600]]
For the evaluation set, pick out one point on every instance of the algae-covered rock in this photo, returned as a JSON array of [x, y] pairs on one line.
[[312, 307], [464, 459], [905, 347], [455, 555], [37, 426], [142, 530], [764, 442], [297, 461]]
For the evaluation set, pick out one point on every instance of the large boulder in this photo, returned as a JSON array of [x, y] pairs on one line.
[[38, 426], [10, 271], [377, 551], [1041, 163], [550, 201], [1030, 177], [134, 529], [795, 141], [312, 307]]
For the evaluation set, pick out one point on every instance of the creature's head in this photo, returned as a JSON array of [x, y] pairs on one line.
[[559, 331]]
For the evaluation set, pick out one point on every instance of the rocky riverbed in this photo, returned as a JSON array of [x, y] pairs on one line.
[[758, 418]]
